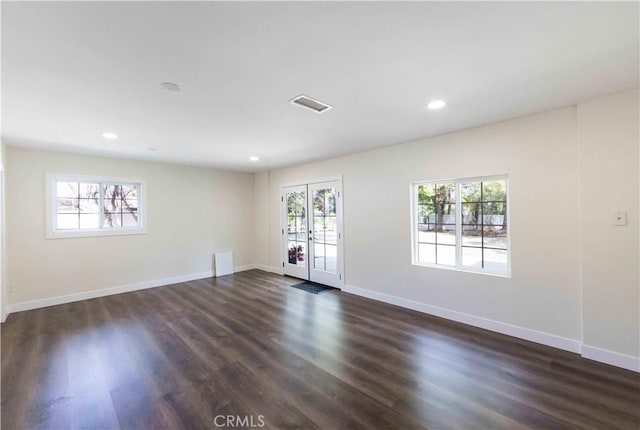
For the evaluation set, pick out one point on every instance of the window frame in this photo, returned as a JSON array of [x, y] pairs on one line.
[[458, 247], [51, 230]]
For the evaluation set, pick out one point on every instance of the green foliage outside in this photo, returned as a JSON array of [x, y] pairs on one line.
[[478, 200]]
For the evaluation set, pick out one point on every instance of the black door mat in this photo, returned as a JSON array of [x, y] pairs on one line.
[[312, 287]]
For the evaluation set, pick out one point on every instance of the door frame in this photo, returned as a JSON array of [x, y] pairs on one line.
[[339, 223]]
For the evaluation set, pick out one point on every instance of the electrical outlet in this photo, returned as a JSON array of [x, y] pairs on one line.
[[620, 218], [11, 288]]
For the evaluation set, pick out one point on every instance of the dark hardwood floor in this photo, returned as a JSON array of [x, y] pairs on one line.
[[250, 347]]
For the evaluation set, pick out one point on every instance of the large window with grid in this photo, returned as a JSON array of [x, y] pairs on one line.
[[462, 224], [92, 206]]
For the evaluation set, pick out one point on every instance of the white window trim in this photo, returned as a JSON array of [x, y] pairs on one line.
[[51, 232], [458, 267]]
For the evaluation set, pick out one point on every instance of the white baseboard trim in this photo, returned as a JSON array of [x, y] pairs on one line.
[[271, 269], [263, 267], [559, 342], [85, 295], [243, 268], [628, 362]]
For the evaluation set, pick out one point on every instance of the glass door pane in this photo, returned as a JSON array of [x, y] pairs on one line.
[[325, 241], [296, 227]]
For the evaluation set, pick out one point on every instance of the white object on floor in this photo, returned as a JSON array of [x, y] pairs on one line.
[[224, 263]]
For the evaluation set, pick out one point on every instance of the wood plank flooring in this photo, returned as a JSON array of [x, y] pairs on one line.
[[249, 348]]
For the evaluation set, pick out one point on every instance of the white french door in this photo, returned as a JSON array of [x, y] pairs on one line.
[[312, 232], [294, 231]]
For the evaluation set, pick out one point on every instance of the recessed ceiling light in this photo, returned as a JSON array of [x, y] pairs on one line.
[[108, 135], [309, 103], [436, 104], [170, 86], [254, 158]]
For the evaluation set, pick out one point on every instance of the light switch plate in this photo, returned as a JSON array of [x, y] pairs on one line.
[[620, 218]]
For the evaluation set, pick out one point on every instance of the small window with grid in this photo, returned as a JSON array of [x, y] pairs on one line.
[[84, 206], [462, 224]]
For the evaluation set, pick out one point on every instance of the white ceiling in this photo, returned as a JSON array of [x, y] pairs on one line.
[[73, 70]]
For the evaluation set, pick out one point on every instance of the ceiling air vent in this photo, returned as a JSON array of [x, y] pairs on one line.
[[309, 103]]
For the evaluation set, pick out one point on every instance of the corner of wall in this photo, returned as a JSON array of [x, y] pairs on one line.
[[607, 130], [3, 248], [261, 215]]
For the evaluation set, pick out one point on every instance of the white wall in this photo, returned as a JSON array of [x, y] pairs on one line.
[[2, 223], [543, 300], [3, 249], [191, 213], [262, 224], [609, 141]]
